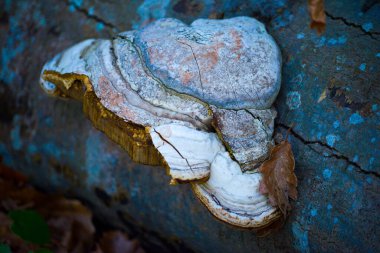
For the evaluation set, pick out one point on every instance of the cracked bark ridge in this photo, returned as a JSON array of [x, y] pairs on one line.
[[323, 149], [163, 91], [89, 15], [372, 35]]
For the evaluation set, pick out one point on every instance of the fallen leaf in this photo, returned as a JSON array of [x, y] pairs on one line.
[[69, 221], [15, 197], [271, 228], [30, 226], [118, 242], [32, 214], [5, 249], [279, 180], [9, 174], [41, 251], [71, 225], [9, 238], [317, 15]]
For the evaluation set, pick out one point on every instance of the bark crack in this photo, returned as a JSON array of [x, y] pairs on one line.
[[351, 24], [335, 153], [92, 16]]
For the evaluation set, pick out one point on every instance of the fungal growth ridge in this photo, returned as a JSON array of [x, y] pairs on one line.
[[195, 98]]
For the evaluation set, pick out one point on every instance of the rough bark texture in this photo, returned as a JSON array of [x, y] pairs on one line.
[[330, 91]]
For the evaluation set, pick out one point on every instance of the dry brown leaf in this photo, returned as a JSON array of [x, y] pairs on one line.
[[271, 228], [279, 180], [15, 197], [118, 242], [70, 222], [9, 238], [317, 15], [9, 174]]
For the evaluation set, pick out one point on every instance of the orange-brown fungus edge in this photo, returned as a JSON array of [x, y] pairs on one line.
[[130, 136]]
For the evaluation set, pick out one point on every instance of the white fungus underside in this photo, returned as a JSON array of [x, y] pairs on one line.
[[233, 196], [230, 195], [188, 152]]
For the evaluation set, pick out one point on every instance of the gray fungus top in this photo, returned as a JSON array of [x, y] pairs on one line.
[[232, 63]]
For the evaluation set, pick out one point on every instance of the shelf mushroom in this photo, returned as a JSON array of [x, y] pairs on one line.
[[196, 98]]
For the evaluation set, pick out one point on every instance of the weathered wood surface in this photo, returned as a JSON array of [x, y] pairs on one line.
[[330, 91]]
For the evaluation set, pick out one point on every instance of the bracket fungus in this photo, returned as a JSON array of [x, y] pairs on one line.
[[195, 98]]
